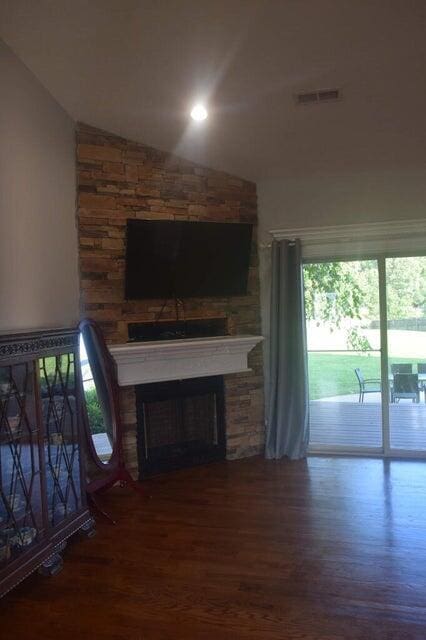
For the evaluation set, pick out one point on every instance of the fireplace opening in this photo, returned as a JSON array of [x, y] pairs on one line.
[[181, 423], [177, 329]]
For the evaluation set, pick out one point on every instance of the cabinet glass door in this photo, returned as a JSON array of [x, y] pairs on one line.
[[21, 511], [62, 453]]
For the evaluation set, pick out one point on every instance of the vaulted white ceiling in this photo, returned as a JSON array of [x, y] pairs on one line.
[[134, 67]]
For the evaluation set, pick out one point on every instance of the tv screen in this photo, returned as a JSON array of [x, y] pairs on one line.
[[167, 259]]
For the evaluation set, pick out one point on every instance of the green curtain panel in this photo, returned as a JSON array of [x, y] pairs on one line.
[[287, 431]]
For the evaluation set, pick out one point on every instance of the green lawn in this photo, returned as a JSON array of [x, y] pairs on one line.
[[333, 374]]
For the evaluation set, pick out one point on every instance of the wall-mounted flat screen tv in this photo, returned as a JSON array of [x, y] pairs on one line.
[[177, 259]]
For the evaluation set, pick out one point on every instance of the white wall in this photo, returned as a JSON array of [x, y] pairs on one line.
[[346, 198], [38, 235]]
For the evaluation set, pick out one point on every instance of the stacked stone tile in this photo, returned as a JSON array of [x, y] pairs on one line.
[[119, 179]]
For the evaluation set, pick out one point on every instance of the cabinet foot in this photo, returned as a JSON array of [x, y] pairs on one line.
[[52, 566], [88, 528], [60, 547]]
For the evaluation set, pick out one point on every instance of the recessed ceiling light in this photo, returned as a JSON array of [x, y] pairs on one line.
[[199, 112]]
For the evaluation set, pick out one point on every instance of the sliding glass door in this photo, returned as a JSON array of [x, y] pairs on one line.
[[344, 368], [406, 346], [366, 343]]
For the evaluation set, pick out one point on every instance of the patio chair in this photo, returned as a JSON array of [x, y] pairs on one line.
[[421, 369], [367, 385], [401, 368], [405, 386]]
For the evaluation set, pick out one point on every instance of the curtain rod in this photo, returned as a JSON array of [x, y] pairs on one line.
[[268, 245]]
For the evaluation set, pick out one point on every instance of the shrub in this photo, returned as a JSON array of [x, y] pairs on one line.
[[94, 412]]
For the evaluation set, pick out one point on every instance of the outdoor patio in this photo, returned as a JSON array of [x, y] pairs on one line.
[[353, 424]]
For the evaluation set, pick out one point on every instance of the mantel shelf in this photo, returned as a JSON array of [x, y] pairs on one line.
[[145, 362]]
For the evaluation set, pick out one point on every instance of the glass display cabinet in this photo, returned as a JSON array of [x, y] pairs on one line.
[[42, 491]]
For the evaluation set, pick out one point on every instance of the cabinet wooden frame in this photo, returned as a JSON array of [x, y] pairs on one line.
[[28, 349]]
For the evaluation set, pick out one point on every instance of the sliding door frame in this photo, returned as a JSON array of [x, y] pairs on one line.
[[384, 357], [385, 450]]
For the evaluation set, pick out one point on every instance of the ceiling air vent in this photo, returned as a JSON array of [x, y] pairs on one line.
[[315, 97]]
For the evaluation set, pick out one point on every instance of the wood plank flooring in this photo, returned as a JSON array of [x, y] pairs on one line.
[[323, 549]]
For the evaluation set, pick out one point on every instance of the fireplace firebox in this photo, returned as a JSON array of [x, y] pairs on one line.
[[181, 423]]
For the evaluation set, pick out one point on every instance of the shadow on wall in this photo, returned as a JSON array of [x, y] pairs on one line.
[[265, 309]]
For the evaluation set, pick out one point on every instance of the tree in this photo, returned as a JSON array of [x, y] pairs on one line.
[[405, 288], [336, 292], [332, 292]]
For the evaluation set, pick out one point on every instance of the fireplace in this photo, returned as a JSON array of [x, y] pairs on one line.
[[180, 423]]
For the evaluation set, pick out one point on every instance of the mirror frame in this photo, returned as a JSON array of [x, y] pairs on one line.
[[113, 469]]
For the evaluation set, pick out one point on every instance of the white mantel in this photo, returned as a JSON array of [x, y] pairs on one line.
[[143, 362]]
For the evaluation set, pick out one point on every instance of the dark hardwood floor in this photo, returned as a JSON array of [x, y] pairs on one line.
[[328, 549]]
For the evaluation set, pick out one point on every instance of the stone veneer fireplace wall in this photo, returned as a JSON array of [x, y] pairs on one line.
[[119, 179]]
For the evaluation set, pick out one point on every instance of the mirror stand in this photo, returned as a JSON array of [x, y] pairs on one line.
[[101, 415]]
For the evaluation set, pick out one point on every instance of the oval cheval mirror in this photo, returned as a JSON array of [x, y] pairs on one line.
[[101, 414]]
